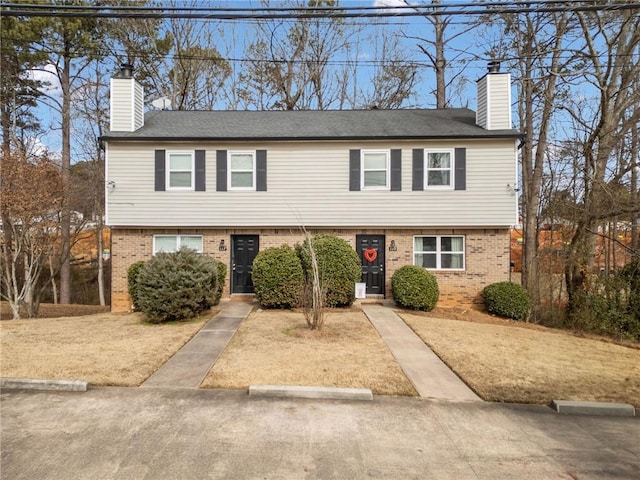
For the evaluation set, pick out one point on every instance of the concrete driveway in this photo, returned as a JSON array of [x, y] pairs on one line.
[[145, 433]]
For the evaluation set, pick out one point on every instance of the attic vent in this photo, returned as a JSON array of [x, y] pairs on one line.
[[493, 66]]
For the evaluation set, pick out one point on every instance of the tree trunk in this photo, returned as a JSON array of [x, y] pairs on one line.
[[65, 221], [100, 247]]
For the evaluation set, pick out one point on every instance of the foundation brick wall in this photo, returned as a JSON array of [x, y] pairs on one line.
[[486, 256]]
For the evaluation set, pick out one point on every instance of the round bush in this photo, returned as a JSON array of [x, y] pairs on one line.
[[339, 268], [176, 286], [132, 279], [277, 277], [506, 299], [414, 287]]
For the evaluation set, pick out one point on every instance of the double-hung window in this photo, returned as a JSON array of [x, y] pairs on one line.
[[375, 170], [439, 252], [180, 171], [242, 171], [173, 243], [438, 170]]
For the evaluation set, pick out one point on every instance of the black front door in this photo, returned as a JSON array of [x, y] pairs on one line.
[[371, 251], [244, 250]]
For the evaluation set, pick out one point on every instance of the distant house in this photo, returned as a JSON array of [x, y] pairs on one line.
[[427, 187]]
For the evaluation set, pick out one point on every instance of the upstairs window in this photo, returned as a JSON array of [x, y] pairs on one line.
[[375, 170], [439, 252], [173, 243], [180, 171], [438, 169], [242, 167]]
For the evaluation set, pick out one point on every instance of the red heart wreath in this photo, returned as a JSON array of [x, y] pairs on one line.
[[370, 254]]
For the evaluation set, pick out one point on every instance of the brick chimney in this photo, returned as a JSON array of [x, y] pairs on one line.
[[493, 111], [127, 101]]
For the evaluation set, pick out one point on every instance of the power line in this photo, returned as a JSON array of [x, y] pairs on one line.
[[218, 13]]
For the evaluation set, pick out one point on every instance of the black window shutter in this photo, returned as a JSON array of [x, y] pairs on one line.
[[418, 169], [200, 171], [396, 170], [461, 169], [221, 170], [160, 171], [354, 170], [261, 170]]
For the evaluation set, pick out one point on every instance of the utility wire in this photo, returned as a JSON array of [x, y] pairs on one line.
[[216, 13]]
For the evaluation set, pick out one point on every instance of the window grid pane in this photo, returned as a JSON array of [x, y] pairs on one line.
[[165, 244], [180, 179], [181, 161], [241, 162], [375, 179], [375, 161], [193, 242], [242, 179]]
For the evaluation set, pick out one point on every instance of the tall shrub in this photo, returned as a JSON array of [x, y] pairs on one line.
[[339, 268], [132, 278], [222, 275], [277, 277], [176, 286]]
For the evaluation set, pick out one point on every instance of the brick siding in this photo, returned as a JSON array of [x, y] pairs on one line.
[[486, 256]]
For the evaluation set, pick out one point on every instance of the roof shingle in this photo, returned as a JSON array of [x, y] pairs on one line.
[[233, 125]]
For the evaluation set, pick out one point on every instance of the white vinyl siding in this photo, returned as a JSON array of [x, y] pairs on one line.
[[439, 252], [126, 105], [173, 243], [494, 101], [375, 170], [242, 171], [438, 169], [309, 185], [180, 171]]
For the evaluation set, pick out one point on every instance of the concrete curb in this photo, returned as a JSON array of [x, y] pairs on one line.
[[36, 384], [569, 407], [311, 392]]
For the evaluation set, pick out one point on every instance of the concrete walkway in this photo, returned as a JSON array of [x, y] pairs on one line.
[[430, 376], [188, 367]]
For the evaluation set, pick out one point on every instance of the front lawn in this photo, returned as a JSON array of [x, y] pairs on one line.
[[103, 349]]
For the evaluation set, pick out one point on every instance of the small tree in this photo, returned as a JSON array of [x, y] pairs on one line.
[[31, 201]]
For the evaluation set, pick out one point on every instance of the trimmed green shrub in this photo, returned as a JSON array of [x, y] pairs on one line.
[[176, 286], [506, 299], [132, 285], [339, 267], [222, 275], [414, 287], [277, 277]]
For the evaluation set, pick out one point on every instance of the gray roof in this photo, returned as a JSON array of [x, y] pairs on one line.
[[230, 125]]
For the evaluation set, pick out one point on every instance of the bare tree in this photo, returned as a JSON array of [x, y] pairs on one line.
[[535, 43], [440, 52], [610, 64], [290, 63]]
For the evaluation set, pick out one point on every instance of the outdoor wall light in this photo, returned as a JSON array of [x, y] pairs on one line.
[[111, 185], [222, 247], [392, 246]]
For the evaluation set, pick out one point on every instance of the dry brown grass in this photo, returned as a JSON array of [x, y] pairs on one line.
[[103, 349], [275, 347], [531, 364], [49, 310]]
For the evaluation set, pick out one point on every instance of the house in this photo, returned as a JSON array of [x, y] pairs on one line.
[[433, 188]]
